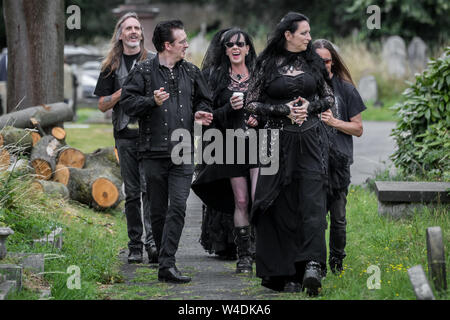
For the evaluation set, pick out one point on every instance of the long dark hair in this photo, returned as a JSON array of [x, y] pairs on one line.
[[338, 66], [275, 51], [216, 64]]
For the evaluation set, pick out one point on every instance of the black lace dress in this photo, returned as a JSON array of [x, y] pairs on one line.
[[290, 206], [212, 183]]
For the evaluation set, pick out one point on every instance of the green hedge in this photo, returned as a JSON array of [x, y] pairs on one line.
[[422, 132]]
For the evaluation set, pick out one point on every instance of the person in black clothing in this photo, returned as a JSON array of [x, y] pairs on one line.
[[289, 211], [127, 47], [344, 121], [224, 188], [167, 94]]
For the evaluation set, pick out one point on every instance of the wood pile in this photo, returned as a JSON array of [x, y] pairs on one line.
[[38, 147]]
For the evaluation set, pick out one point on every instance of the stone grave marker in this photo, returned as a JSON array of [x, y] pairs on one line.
[[420, 283], [394, 55], [368, 88], [417, 55], [436, 258]]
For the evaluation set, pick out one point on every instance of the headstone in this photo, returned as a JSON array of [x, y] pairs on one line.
[[12, 272], [6, 288], [4, 233], [417, 55], [35, 262], [54, 239], [394, 55], [436, 258], [368, 88], [420, 283]]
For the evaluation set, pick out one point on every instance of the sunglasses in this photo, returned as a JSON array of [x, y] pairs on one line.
[[240, 44], [326, 61]]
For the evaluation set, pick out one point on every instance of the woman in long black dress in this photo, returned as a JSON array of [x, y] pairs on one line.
[[224, 188], [289, 211]]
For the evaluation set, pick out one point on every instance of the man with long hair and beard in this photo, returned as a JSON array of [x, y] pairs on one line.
[[127, 48]]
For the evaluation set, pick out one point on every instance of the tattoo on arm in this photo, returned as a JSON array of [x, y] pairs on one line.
[[107, 99]]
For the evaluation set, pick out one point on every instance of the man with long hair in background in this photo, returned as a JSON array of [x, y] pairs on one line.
[[127, 48]]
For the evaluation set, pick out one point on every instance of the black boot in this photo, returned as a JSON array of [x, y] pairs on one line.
[[312, 278], [336, 265], [243, 243]]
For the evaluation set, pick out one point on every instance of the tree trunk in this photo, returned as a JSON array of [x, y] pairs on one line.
[[96, 187], [51, 188], [71, 157], [45, 116], [43, 157], [104, 158], [17, 140], [35, 39]]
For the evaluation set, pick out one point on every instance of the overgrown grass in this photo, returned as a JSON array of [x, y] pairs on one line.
[[92, 240]]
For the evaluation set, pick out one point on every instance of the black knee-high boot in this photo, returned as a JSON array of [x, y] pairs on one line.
[[243, 242]]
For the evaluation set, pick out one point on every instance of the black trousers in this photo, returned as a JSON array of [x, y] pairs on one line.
[[168, 187], [137, 213], [338, 223]]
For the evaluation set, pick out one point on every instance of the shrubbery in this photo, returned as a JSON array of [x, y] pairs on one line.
[[422, 132]]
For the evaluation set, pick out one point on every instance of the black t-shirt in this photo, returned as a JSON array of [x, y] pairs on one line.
[[107, 85], [348, 104]]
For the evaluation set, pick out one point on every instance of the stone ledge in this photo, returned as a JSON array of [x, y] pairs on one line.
[[405, 191], [6, 288], [13, 273]]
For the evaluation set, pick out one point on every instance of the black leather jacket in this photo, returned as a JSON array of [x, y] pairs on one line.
[[189, 93]]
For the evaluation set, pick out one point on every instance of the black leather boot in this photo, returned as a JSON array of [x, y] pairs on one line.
[[243, 243], [336, 265], [312, 278]]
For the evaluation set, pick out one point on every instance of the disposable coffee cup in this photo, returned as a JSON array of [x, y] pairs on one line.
[[239, 94]]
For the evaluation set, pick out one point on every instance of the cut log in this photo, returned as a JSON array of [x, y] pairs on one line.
[[18, 140], [51, 188], [5, 159], [48, 115], [104, 157], [20, 166], [43, 157], [71, 157], [36, 137], [61, 174], [59, 133], [97, 187]]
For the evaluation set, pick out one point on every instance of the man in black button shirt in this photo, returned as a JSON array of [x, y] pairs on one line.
[[167, 93], [127, 47]]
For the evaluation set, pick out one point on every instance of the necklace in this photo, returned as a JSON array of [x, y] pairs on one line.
[[238, 76]]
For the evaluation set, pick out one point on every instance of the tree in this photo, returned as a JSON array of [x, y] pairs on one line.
[[35, 38]]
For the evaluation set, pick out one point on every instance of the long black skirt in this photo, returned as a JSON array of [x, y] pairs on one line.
[[290, 207]]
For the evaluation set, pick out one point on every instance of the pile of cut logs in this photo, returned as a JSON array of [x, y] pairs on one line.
[[38, 146]]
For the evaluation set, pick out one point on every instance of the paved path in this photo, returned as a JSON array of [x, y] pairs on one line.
[[214, 279], [372, 150]]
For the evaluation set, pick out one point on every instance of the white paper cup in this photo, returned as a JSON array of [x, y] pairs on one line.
[[239, 94]]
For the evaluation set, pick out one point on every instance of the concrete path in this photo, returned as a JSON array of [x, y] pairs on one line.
[[372, 150]]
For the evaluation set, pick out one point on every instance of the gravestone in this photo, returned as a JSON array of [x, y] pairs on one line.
[[12, 272], [368, 89], [399, 199], [417, 55], [55, 239], [394, 56], [420, 283], [436, 258]]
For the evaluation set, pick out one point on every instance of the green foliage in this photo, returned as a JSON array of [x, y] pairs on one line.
[[422, 132]]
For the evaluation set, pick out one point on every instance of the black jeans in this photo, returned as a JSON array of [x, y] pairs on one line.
[[338, 223], [168, 187], [134, 182]]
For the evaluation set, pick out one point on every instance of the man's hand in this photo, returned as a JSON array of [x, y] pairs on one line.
[[328, 118], [203, 118], [160, 96]]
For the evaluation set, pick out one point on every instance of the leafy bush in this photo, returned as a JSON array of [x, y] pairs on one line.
[[422, 132]]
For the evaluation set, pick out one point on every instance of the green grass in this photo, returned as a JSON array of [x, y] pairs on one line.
[[92, 138], [383, 113]]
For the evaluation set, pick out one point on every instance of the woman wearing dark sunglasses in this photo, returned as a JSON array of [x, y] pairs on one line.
[[225, 188], [289, 210]]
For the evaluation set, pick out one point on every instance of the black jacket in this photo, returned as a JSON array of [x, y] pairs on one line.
[[189, 93]]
